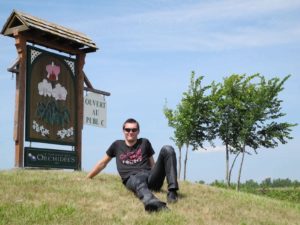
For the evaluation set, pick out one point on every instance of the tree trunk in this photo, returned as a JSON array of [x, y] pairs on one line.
[[227, 166], [185, 161], [179, 162], [240, 170], [232, 165]]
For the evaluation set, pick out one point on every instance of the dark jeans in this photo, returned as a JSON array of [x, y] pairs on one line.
[[144, 181]]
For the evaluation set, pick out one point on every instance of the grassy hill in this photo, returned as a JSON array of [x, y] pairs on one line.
[[60, 197]]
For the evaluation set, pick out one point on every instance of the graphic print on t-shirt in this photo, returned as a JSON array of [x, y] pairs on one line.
[[130, 158]]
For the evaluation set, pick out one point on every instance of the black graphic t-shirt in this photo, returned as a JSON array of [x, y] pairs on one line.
[[131, 160]]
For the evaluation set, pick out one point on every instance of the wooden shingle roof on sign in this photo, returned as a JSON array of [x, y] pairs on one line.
[[48, 32]]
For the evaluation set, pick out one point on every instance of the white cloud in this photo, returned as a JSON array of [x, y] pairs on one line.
[[209, 11], [212, 149], [255, 36], [216, 25]]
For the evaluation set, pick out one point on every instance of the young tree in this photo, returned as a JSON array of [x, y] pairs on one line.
[[261, 110], [191, 119], [179, 119], [246, 111], [226, 100], [174, 122]]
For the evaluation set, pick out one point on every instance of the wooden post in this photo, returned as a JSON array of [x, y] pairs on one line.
[[79, 91], [20, 100]]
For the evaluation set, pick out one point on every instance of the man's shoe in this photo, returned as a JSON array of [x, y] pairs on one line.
[[172, 197], [155, 206]]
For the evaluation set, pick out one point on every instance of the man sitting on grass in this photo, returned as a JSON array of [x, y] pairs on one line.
[[138, 171]]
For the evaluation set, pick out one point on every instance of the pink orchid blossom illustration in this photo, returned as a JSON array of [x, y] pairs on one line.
[[59, 92], [45, 88], [52, 71]]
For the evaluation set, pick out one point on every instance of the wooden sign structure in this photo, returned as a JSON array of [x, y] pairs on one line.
[[27, 29]]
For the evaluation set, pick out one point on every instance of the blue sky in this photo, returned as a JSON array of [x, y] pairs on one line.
[[147, 50]]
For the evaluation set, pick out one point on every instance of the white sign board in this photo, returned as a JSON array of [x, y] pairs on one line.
[[94, 110]]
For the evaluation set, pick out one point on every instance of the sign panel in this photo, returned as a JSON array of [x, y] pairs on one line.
[[95, 110], [49, 158], [50, 98]]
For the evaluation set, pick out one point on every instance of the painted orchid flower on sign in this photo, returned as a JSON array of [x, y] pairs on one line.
[[40, 128], [65, 132], [45, 88], [59, 92], [52, 71]]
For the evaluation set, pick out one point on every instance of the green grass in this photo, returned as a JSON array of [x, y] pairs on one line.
[[60, 197], [291, 194]]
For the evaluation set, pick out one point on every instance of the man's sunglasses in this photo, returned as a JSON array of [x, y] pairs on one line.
[[131, 129]]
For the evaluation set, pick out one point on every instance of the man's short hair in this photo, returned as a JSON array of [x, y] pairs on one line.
[[131, 120]]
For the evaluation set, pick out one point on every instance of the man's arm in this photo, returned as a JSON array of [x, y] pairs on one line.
[[151, 161], [99, 166]]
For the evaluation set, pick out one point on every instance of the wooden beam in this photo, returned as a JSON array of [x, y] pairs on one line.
[[40, 40], [87, 81], [11, 31], [97, 91], [91, 88], [14, 67], [20, 99], [79, 90]]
